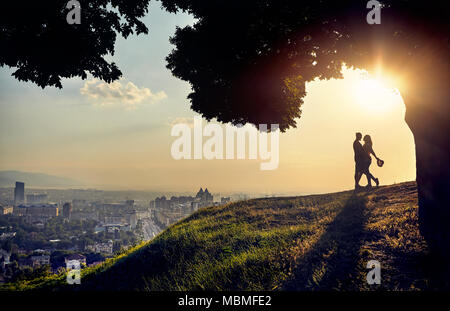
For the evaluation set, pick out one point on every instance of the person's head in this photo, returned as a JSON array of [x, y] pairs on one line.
[[358, 136], [367, 139]]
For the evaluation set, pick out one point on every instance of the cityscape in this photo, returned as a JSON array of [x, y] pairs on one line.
[[41, 230]]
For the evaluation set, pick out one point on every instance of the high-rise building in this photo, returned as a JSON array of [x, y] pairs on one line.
[[129, 203], [67, 210], [204, 196], [19, 193]]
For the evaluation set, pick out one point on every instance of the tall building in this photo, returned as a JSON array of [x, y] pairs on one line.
[[129, 204], [19, 193], [67, 210], [204, 196]]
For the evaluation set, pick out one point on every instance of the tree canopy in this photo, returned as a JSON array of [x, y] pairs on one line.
[[248, 61], [36, 38]]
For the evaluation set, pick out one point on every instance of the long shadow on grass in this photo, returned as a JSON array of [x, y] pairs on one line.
[[332, 262]]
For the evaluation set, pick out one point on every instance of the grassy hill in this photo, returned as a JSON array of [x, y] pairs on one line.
[[310, 242]]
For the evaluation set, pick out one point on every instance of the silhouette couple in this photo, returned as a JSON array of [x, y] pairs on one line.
[[363, 160]]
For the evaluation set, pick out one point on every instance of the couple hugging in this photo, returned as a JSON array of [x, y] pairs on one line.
[[363, 160]]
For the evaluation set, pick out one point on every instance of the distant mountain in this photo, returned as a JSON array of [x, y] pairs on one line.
[[9, 178]]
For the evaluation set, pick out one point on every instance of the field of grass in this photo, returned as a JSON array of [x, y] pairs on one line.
[[315, 242]]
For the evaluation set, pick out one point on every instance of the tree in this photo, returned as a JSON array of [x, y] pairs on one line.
[[248, 61], [36, 38]]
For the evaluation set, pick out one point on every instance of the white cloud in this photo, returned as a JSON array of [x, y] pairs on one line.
[[118, 93]]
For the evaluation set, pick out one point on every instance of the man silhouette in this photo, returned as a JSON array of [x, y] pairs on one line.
[[359, 158]]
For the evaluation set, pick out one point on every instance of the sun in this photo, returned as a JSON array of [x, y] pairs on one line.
[[375, 94]]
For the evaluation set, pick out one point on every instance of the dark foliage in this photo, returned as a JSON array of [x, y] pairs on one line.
[[248, 61], [36, 39]]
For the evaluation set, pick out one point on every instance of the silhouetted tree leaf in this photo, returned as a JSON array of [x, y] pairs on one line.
[[248, 61], [36, 39]]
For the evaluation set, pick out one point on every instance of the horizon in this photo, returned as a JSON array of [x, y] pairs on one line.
[[172, 192]]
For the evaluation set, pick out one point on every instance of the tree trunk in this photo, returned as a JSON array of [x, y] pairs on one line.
[[428, 117]]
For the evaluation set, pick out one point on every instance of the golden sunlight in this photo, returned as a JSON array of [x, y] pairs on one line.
[[375, 94]]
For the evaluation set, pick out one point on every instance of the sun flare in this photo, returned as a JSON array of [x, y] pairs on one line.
[[375, 94]]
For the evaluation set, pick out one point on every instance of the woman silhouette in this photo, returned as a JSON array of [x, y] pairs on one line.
[[368, 160]]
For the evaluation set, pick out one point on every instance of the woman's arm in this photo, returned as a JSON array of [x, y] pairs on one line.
[[373, 152]]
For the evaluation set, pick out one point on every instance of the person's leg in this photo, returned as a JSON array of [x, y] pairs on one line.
[[368, 176], [358, 175], [377, 182]]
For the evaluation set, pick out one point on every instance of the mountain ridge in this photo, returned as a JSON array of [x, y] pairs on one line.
[[34, 179]]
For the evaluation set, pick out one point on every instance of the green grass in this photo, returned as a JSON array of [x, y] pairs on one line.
[[316, 242]]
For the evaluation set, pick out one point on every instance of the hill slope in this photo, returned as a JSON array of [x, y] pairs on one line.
[[296, 243]]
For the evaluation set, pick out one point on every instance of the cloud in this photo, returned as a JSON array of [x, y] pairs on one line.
[[118, 93]]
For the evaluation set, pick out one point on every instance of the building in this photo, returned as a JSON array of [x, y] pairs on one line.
[[195, 206], [105, 248], [20, 210], [115, 219], [162, 203], [79, 203], [129, 204], [79, 215], [5, 210], [37, 213], [7, 235], [78, 257], [37, 198], [111, 228], [67, 210], [131, 219], [6, 257], [204, 196], [40, 260], [165, 212], [224, 200], [19, 193]]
